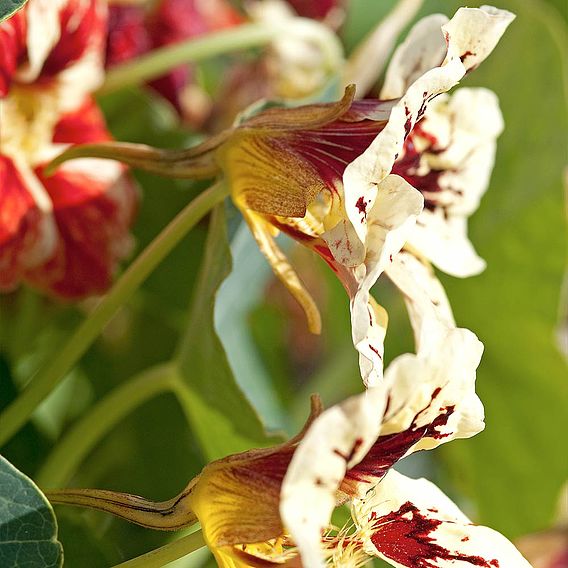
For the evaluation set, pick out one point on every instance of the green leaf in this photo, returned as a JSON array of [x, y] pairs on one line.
[[515, 469], [221, 416], [238, 295], [28, 529], [10, 7]]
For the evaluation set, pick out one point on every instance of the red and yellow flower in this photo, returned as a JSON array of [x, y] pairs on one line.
[[65, 233]]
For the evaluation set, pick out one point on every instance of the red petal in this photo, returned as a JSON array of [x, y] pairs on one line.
[[178, 20], [127, 34], [93, 216], [86, 124], [12, 48], [315, 9], [20, 224], [83, 24]]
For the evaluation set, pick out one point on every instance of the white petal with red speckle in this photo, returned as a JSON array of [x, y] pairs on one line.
[[338, 439], [410, 523], [435, 389], [430, 400], [389, 223], [470, 31], [458, 135]]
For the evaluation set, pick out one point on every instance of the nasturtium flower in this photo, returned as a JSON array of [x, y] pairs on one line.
[[273, 506], [137, 28], [449, 154], [63, 233], [326, 174]]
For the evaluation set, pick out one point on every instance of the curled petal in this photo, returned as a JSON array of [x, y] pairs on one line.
[[423, 49], [473, 33], [282, 269], [389, 223], [478, 32], [303, 117], [430, 400], [411, 523], [336, 441]]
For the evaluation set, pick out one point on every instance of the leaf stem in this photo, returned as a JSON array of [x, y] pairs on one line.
[[48, 377], [167, 553], [102, 418], [161, 60]]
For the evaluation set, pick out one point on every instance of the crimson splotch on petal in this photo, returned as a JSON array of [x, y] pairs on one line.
[[65, 234], [470, 29], [410, 523], [449, 157], [450, 153], [427, 399], [273, 506]]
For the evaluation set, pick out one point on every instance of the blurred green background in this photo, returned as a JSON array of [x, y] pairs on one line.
[[508, 477]]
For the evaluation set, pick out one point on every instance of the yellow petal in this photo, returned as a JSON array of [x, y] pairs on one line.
[[282, 269], [237, 498]]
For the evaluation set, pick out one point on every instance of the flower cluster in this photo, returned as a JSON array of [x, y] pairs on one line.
[[64, 233], [372, 186]]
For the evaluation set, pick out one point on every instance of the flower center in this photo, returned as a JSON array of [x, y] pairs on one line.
[[28, 116]]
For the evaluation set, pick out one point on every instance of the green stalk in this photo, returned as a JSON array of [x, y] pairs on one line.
[[245, 36], [101, 419], [167, 553], [48, 377], [161, 60]]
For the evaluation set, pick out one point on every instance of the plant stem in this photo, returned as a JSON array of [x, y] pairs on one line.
[[163, 59], [103, 417], [167, 553], [48, 377]]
